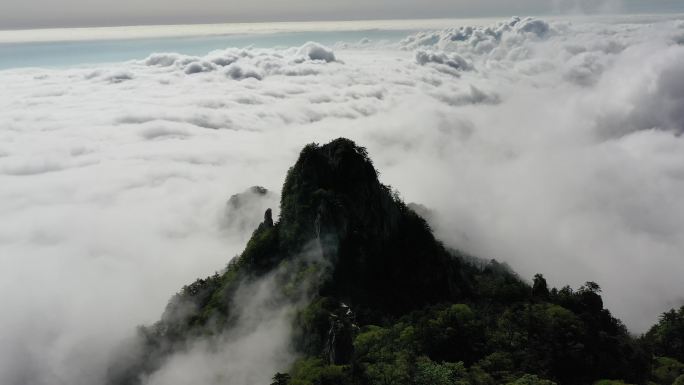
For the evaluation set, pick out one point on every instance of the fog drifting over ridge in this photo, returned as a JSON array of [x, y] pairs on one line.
[[552, 146]]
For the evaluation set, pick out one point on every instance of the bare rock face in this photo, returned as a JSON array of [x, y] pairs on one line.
[[268, 218]]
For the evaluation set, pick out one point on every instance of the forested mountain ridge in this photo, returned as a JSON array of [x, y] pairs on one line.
[[376, 299]]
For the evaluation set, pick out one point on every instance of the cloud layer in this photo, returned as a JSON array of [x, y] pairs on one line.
[[553, 146]]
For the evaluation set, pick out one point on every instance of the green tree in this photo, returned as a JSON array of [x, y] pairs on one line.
[[666, 338], [666, 370], [539, 287], [382, 356], [429, 372], [281, 379], [530, 379]]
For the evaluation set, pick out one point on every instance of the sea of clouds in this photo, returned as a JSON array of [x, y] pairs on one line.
[[554, 146]]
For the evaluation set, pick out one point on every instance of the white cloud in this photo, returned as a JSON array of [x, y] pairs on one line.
[[255, 348], [315, 51], [558, 151], [443, 62], [481, 39]]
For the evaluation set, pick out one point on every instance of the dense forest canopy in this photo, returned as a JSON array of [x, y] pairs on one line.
[[375, 299]]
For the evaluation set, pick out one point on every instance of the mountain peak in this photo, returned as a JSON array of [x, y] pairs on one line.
[[367, 279], [384, 255], [329, 188]]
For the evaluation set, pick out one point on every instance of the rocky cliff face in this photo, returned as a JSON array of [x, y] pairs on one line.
[[346, 237], [370, 296], [384, 257]]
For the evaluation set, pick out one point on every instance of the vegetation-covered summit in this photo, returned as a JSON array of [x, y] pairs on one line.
[[381, 301]]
